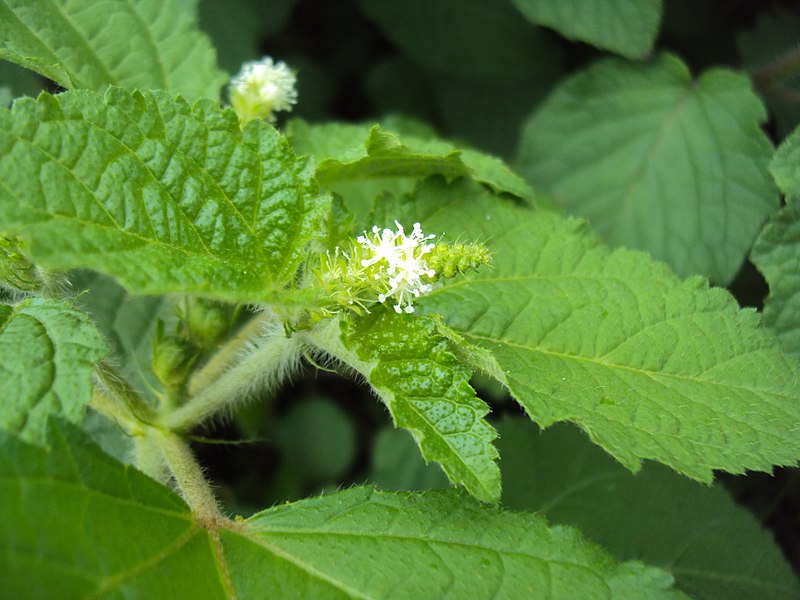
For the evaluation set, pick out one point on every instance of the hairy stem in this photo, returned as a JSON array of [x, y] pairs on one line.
[[187, 473], [225, 356], [262, 367]]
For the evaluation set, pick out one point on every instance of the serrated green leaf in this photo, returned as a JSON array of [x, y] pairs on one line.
[[426, 390], [47, 351], [80, 44], [715, 549], [347, 154], [657, 161], [139, 540], [650, 366], [622, 26], [776, 253], [480, 40], [468, 551], [163, 196]]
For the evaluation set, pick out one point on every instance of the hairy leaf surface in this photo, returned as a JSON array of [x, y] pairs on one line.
[[627, 27], [163, 196], [47, 350], [650, 366], [427, 392], [86, 44], [715, 549], [657, 161], [140, 540]]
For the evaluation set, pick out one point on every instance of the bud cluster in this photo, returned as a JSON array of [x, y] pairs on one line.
[[262, 88]]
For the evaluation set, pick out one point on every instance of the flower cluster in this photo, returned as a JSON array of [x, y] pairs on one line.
[[398, 260], [261, 88], [392, 265]]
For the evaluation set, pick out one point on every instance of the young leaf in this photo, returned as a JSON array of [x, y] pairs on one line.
[[142, 44], [163, 196], [714, 548], [426, 390], [657, 161], [347, 153], [776, 253], [650, 366], [47, 350], [118, 533], [627, 28]]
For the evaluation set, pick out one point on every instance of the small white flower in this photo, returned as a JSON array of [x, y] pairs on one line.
[[261, 88], [400, 263]]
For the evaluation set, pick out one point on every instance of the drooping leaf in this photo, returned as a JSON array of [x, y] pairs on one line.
[[649, 366], [480, 40], [625, 27], [163, 196], [776, 253], [80, 44], [346, 153], [47, 350], [426, 390], [714, 548], [657, 161], [140, 540]]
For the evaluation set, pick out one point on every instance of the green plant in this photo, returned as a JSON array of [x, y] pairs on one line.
[[167, 260]]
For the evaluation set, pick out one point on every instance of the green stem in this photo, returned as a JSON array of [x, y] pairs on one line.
[[263, 367], [225, 356], [188, 475]]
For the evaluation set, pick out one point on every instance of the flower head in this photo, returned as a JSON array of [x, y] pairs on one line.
[[396, 261], [261, 88]]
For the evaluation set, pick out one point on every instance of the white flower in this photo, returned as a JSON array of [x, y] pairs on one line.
[[261, 88], [398, 261]]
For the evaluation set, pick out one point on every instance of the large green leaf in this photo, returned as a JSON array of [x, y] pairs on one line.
[[650, 366], [426, 390], [84, 44], [626, 27], [164, 196], [657, 161], [715, 549], [776, 253], [117, 533], [47, 351]]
